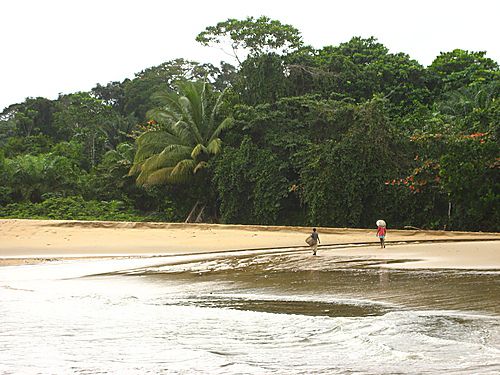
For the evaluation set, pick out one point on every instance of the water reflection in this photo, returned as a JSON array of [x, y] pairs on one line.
[[383, 277]]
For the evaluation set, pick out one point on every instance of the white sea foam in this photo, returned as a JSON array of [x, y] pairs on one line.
[[132, 320]]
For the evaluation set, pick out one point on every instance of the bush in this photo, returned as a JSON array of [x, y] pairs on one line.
[[74, 208]]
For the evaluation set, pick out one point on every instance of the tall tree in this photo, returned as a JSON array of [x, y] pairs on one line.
[[184, 136], [82, 118], [113, 94], [460, 68], [362, 68], [263, 79], [139, 92], [251, 36], [34, 116]]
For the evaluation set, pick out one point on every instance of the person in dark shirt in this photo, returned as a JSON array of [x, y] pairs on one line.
[[315, 241]]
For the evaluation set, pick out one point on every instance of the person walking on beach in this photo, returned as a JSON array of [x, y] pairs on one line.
[[381, 232], [314, 241]]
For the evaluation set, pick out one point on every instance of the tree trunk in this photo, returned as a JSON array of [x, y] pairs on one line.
[[199, 218], [191, 214], [92, 152], [449, 215]]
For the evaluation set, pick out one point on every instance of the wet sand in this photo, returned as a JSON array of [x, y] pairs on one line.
[[34, 241]]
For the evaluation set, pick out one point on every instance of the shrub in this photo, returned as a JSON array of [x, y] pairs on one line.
[[74, 208]]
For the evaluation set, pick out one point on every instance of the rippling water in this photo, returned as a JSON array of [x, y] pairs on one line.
[[246, 314]]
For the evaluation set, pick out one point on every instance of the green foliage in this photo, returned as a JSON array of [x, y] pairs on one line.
[[92, 123], [473, 108], [253, 35], [469, 174], [459, 68], [72, 208], [33, 116], [32, 176], [113, 95], [342, 182], [33, 144], [138, 96], [285, 127], [262, 79], [110, 181], [455, 174], [361, 68], [185, 139], [73, 151], [250, 184], [5, 183]]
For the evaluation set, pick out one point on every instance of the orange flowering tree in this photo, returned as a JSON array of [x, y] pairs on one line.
[[455, 176]]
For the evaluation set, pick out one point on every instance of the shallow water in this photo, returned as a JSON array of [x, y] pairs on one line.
[[247, 314]]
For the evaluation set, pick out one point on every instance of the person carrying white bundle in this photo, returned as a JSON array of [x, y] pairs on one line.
[[381, 232]]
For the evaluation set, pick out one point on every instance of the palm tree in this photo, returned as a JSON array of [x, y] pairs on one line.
[[462, 102], [186, 137]]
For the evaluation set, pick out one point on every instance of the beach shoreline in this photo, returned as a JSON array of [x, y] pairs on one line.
[[41, 241]]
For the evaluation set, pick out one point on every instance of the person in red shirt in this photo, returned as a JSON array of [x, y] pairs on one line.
[[381, 232]]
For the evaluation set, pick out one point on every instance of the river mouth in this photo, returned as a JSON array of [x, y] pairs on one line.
[[349, 279], [247, 314]]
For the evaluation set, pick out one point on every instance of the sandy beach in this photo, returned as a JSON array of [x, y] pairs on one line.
[[32, 241], [235, 299]]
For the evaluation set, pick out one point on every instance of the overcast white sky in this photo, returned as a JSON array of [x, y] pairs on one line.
[[62, 46]]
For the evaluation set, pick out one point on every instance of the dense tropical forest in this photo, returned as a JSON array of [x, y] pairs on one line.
[[281, 134]]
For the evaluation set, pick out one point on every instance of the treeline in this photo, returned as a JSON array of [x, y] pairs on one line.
[[287, 135]]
